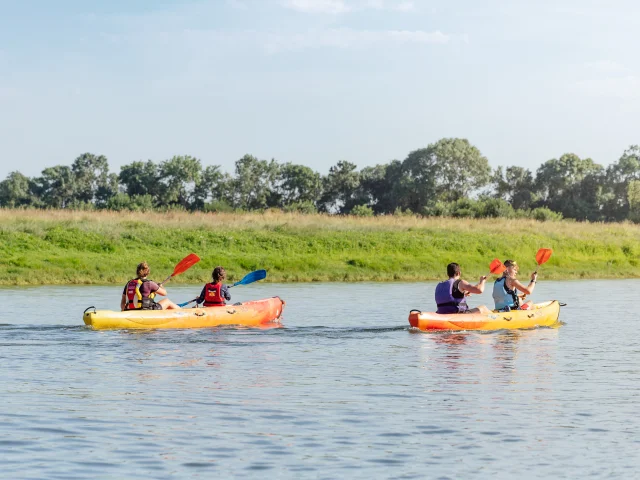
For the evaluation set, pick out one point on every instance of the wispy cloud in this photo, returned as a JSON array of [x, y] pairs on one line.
[[348, 38], [335, 7]]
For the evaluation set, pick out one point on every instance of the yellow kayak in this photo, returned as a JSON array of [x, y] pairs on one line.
[[250, 314], [541, 315]]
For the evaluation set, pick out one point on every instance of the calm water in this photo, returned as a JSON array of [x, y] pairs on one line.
[[343, 390]]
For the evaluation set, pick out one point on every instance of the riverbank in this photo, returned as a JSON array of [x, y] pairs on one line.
[[67, 247]]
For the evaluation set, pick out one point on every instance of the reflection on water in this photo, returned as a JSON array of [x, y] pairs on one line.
[[342, 390]]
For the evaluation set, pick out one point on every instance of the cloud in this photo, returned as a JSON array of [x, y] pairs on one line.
[[348, 38], [335, 7]]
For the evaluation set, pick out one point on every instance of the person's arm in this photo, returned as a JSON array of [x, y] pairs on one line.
[[466, 287], [528, 290], [157, 289], [200, 299], [123, 302], [224, 291]]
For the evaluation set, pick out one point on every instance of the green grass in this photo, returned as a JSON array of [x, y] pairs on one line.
[[62, 247]]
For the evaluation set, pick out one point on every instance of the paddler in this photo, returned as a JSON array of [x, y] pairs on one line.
[[215, 293], [505, 289], [139, 293], [450, 294]]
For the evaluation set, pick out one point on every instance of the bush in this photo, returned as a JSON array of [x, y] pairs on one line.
[[362, 211], [217, 206], [543, 214]]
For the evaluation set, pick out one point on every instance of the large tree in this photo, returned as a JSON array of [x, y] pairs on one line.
[[297, 184], [178, 179], [447, 170], [91, 178], [254, 183], [619, 176], [515, 185], [572, 186], [15, 191], [340, 188], [55, 186], [140, 178]]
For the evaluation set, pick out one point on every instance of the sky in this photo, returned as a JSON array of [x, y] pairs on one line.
[[314, 82]]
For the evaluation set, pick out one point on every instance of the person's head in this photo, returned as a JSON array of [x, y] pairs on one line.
[[453, 270], [512, 268], [218, 274], [142, 270]]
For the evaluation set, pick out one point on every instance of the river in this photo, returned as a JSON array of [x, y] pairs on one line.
[[343, 390]]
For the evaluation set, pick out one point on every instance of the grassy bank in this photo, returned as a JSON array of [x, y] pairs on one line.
[[62, 247]]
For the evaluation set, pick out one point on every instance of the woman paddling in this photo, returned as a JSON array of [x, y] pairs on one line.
[[215, 293], [450, 294], [139, 293], [505, 289]]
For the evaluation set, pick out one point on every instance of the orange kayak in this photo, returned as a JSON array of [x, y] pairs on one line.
[[250, 314], [542, 314]]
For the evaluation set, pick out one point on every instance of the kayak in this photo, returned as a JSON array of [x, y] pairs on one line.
[[249, 314], [540, 315]]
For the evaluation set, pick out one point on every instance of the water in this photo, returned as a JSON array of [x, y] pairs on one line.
[[344, 390]]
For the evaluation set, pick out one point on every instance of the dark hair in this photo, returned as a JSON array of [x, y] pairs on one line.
[[453, 269], [218, 274], [142, 270]]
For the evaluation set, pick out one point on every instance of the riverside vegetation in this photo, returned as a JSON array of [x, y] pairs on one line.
[[101, 247]]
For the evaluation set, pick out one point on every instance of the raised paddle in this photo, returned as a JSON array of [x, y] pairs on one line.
[[496, 267], [247, 279], [542, 256], [185, 264]]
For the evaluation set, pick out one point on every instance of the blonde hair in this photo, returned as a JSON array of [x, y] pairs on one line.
[[142, 270]]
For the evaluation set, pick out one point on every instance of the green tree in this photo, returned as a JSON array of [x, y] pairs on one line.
[[340, 187], [633, 197], [572, 186], [213, 186], [515, 185], [55, 187], [140, 178], [447, 170], [618, 178], [254, 183], [15, 191], [179, 177], [91, 179], [298, 184]]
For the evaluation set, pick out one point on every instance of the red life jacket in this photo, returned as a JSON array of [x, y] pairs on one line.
[[134, 297], [212, 295]]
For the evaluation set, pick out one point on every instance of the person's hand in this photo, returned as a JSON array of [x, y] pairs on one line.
[[466, 294], [483, 278], [534, 276]]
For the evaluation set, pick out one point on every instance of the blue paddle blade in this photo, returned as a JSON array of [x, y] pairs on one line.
[[252, 277]]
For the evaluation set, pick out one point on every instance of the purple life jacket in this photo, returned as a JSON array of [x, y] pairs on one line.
[[449, 298]]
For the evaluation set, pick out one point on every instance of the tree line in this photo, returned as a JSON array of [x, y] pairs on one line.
[[447, 178]]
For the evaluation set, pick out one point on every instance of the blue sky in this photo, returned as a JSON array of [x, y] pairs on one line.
[[315, 81]]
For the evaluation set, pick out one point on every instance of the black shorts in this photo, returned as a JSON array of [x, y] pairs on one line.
[[153, 306]]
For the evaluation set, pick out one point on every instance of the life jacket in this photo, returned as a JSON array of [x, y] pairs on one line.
[[134, 296], [449, 298], [504, 297], [213, 295]]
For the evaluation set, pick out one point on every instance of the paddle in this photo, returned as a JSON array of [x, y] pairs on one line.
[[496, 267], [247, 279], [542, 256], [185, 264]]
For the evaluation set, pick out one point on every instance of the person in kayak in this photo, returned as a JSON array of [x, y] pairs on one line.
[[451, 294], [215, 293], [139, 293], [505, 289]]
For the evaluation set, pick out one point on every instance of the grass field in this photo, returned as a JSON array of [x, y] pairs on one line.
[[67, 247]]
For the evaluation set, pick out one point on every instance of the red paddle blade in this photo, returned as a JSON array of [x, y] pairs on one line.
[[543, 255], [496, 267], [185, 264]]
